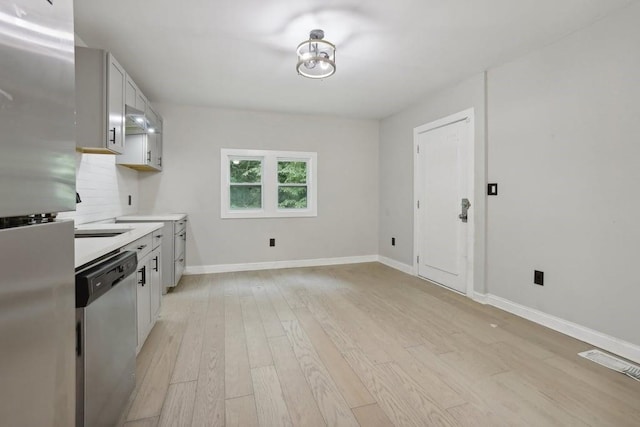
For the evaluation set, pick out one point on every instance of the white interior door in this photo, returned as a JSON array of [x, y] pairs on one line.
[[442, 170]]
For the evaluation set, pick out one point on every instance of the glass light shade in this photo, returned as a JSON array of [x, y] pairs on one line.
[[316, 59]]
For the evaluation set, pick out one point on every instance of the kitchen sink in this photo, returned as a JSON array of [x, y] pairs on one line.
[[79, 234]]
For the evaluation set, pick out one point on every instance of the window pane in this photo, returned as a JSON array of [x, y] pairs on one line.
[[245, 171], [292, 197], [245, 196], [292, 172]]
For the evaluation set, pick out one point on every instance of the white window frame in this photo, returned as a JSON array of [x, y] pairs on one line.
[[270, 183]]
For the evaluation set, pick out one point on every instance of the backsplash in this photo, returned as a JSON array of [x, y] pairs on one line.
[[104, 189]]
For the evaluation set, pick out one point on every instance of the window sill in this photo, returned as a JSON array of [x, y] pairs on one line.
[[262, 214]]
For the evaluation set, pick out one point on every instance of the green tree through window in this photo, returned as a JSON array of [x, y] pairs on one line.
[[245, 191], [292, 188], [268, 183]]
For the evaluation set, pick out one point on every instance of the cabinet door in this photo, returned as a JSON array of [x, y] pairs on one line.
[[131, 93], [151, 150], [143, 303], [156, 283], [158, 156], [159, 151], [116, 81], [141, 102], [155, 141], [179, 269]]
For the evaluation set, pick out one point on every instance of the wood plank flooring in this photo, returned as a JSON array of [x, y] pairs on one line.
[[360, 345]]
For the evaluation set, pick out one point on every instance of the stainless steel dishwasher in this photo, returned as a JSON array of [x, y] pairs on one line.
[[106, 339]]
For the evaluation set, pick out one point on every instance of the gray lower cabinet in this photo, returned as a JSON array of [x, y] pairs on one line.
[[148, 282], [173, 245]]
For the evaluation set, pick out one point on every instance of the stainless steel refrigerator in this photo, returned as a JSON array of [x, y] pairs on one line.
[[37, 180]]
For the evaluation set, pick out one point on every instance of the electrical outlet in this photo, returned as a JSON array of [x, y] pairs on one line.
[[538, 277], [272, 242], [393, 241]]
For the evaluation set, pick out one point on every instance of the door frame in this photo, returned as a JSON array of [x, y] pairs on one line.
[[467, 115]]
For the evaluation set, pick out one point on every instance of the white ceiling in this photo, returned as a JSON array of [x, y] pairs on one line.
[[390, 53]]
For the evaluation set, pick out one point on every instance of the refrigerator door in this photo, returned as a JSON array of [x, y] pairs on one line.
[[37, 107], [37, 326]]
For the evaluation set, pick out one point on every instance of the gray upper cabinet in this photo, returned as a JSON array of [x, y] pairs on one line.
[[134, 96], [100, 100], [141, 102], [143, 150], [159, 143], [131, 92]]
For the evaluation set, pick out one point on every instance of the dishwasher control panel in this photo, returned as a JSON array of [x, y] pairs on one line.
[[96, 280]]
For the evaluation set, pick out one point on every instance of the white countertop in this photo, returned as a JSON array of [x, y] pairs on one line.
[[89, 248], [153, 217]]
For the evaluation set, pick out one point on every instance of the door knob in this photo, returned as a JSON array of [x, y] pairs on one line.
[[466, 204]]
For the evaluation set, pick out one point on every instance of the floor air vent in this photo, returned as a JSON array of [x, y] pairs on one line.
[[612, 362]]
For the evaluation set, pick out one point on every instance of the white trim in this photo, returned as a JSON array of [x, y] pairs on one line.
[[469, 115], [252, 266], [481, 298], [599, 339], [607, 342], [400, 266]]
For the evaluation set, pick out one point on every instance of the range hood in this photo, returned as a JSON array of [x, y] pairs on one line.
[[136, 122]]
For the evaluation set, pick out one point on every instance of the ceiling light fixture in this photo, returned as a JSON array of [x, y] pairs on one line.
[[316, 57]]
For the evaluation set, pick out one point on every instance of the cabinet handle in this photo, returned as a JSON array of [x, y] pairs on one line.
[[113, 140], [143, 279], [156, 267], [160, 161], [181, 260], [158, 235], [148, 156], [141, 247]]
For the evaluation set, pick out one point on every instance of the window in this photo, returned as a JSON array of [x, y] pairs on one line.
[[267, 184], [292, 184], [245, 188]]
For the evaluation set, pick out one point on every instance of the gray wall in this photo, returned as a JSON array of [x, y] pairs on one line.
[[396, 170], [564, 145], [563, 142], [347, 221]]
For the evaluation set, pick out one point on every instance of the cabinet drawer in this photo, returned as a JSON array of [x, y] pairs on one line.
[[157, 237], [179, 242], [142, 246]]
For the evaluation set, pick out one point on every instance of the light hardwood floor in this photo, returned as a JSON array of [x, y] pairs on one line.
[[361, 345]]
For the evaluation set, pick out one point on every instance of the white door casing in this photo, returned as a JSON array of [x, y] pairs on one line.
[[443, 176]]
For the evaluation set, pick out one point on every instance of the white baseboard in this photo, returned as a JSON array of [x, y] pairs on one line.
[[598, 339], [481, 298], [226, 268], [405, 268]]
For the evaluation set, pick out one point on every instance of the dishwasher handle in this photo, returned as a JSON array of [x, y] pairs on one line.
[[78, 339]]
